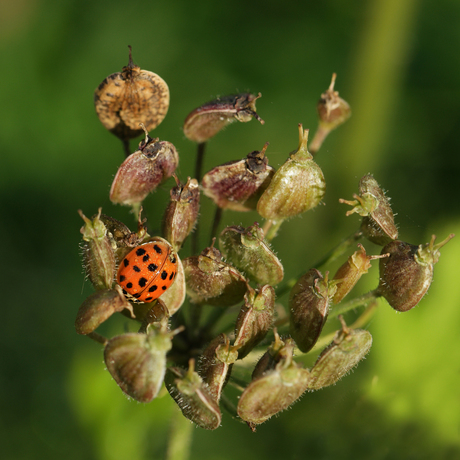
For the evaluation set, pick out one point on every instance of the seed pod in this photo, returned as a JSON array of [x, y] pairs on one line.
[[296, 187], [206, 121], [238, 185], [174, 297], [192, 397], [347, 349], [130, 97], [351, 271], [98, 307], [277, 351], [332, 109], [406, 275], [143, 171], [121, 236], [182, 212], [98, 252], [216, 364], [378, 224], [274, 390], [254, 320], [309, 303], [137, 362], [211, 281], [246, 249]]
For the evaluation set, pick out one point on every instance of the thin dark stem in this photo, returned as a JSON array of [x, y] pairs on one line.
[[216, 222], [126, 147], [198, 172], [98, 338]]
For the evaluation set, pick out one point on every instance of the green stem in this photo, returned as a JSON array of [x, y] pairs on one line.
[[215, 223], [198, 172], [271, 228], [98, 338], [363, 300], [180, 438]]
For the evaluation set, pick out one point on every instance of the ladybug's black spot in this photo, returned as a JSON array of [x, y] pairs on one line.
[[157, 249], [140, 252], [136, 295], [136, 269], [153, 288], [122, 278], [164, 288], [124, 292], [125, 262], [145, 258], [148, 299], [152, 267], [171, 276], [129, 285], [173, 259], [164, 274], [142, 282]]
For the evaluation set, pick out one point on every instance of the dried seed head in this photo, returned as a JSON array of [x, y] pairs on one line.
[[274, 390], [211, 281], [309, 303], [238, 185], [193, 397], [98, 256], [143, 171], [130, 97], [98, 307], [255, 319], [406, 275], [182, 212], [378, 224], [296, 187], [246, 249], [207, 120], [137, 362], [347, 349], [351, 271], [332, 109], [174, 296], [216, 364]]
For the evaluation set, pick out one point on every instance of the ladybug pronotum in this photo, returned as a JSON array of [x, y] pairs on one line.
[[147, 271]]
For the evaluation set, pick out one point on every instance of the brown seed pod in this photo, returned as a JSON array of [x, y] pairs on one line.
[[130, 97], [207, 120]]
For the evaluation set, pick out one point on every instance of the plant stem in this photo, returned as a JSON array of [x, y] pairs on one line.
[[215, 223], [271, 228], [320, 135], [126, 147], [180, 438], [198, 172], [363, 300], [98, 338]]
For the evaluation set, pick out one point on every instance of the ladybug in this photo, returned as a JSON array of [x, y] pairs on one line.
[[147, 271]]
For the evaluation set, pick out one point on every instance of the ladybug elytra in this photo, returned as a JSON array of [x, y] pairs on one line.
[[147, 271]]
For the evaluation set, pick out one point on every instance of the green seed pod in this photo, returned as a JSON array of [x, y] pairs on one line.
[[378, 224], [274, 390], [238, 185], [255, 319], [351, 271], [296, 187], [211, 281], [143, 171], [98, 307], [182, 212], [309, 303], [137, 362], [121, 236], [347, 349], [247, 250], [216, 364], [193, 397], [406, 275], [98, 252], [130, 97], [207, 120]]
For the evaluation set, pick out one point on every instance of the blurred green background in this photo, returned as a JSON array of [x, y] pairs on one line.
[[398, 66]]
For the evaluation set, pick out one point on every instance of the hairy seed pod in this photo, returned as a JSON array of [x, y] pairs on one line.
[[254, 320], [406, 275], [207, 120], [216, 364], [143, 171], [193, 397], [247, 250], [130, 97], [309, 303], [347, 349], [182, 212], [238, 185], [274, 390], [137, 362], [378, 224], [98, 256], [174, 296], [296, 187], [211, 281]]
